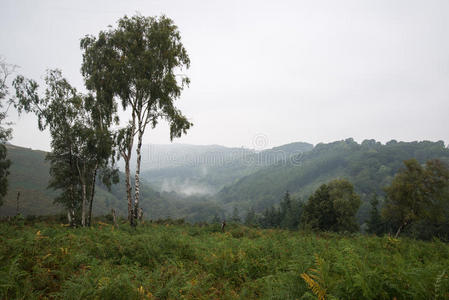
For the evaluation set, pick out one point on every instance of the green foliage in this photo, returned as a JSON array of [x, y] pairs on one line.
[[418, 198], [287, 216], [29, 174], [375, 222], [236, 215], [316, 280], [4, 171], [183, 261], [370, 166], [332, 207], [80, 140], [251, 218], [210, 167], [5, 132], [137, 62]]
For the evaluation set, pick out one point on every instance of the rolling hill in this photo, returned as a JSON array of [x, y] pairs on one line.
[[370, 166], [204, 170], [29, 175], [198, 182]]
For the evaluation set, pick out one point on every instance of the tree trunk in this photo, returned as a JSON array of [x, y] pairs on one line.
[[83, 211], [72, 196], [92, 194], [137, 178], [17, 204], [72, 220], [114, 218], [127, 157], [399, 230], [83, 193], [128, 187]]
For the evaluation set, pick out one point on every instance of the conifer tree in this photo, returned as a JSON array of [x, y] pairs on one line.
[[251, 218], [236, 215], [332, 207], [375, 223]]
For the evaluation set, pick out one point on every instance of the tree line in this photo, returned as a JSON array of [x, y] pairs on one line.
[[133, 66], [369, 166], [416, 203]]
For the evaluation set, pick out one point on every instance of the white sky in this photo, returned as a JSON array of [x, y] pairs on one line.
[[314, 71]]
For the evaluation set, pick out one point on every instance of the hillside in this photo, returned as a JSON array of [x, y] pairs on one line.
[[204, 170], [214, 179], [29, 175], [370, 166]]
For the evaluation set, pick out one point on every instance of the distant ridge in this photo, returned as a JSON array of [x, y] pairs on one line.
[[370, 166]]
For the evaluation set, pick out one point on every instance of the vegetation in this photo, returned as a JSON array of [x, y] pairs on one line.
[[320, 255], [332, 207], [5, 132], [286, 216], [375, 222], [166, 261], [417, 204], [191, 169], [369, 166], [152, 49], [81, 143], [29, 175], [418, 197]]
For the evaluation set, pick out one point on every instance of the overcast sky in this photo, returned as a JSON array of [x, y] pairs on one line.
[[265, 73]]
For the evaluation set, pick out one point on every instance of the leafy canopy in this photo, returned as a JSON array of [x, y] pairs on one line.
[[332, 207], [418, 194], [137, 62]]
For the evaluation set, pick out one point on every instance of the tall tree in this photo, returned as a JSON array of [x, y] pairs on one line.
[[290, 212], [251, 218], [136, 62], [271, 218], [236, 215], [57, 111], [332, 207], [418, 193], [374, 222], [5, 132], [79, 145]]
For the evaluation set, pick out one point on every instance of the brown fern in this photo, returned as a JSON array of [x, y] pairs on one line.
[[315, 281]]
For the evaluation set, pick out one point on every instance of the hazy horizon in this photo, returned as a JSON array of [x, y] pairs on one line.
[[264, 74]]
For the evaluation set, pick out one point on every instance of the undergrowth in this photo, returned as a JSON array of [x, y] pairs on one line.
[[157, 261]]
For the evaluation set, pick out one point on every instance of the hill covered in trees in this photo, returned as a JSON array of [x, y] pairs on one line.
[[29, 175], [370, 166], [204, 170], [255, 180]]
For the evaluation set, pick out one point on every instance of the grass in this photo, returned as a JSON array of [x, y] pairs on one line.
[[157, 261]]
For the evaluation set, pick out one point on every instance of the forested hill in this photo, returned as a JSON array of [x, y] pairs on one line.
[[370, 166], [257, 179], [194, 170], [29, 175]]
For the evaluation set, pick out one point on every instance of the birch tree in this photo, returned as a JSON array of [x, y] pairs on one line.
[[5, 133], [80, 146], [136, 62]]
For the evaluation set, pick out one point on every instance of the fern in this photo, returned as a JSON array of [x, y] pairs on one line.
[[315, 280], [438, 284]]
